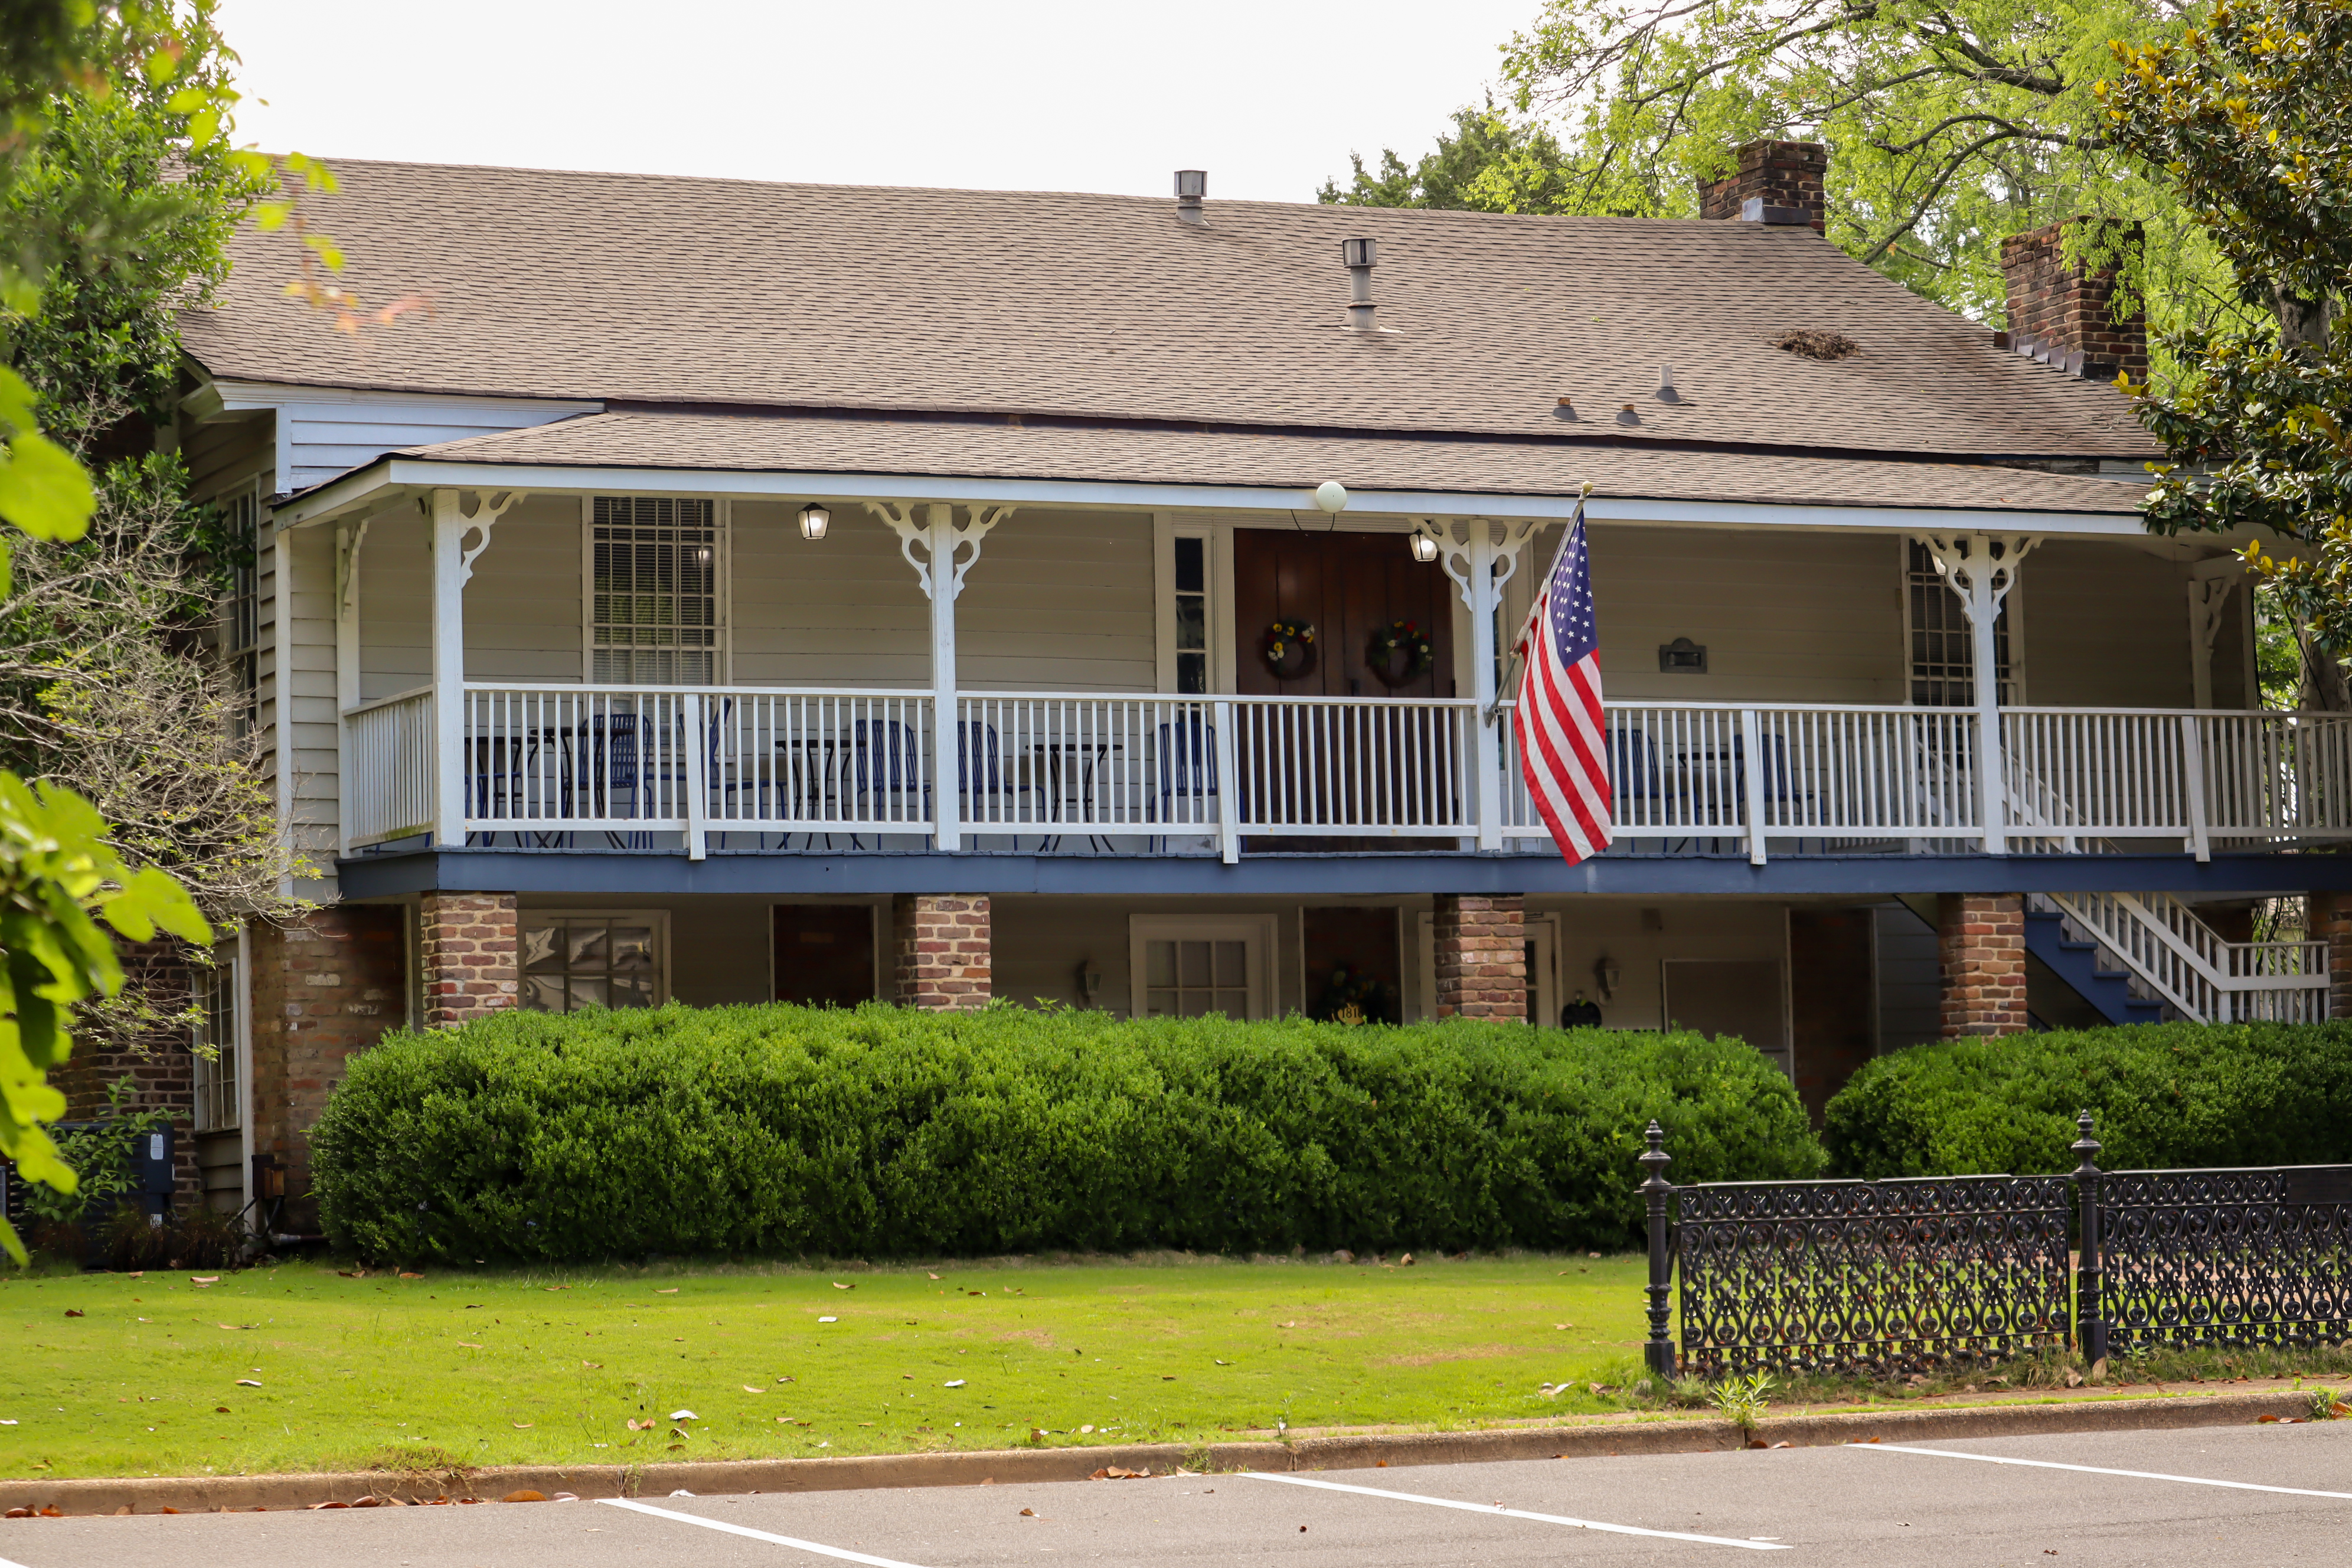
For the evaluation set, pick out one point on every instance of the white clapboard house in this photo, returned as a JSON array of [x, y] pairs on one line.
[[733, 591]]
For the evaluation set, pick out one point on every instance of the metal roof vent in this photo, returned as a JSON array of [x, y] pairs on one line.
[[1753, 210], [1359, 255], [1191, 186]]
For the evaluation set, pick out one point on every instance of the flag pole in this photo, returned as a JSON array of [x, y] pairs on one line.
[[1511, 672]]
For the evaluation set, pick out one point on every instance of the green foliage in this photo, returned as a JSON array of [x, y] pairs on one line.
[[880, 1132], [1744, 1400], [101, 1158], [1950, 127], [2250, 116], [2166, 1094]]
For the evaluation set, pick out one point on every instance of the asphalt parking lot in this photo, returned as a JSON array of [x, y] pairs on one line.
[[2244, 1496]]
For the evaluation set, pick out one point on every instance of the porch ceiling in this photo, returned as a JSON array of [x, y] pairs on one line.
[[741, 443]]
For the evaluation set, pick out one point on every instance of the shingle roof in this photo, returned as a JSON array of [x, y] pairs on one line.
[[999, 449], [720, 291]]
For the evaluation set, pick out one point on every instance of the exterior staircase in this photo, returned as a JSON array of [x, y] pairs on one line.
[[2077, 963]]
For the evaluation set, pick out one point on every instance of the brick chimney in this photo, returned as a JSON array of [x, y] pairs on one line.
[[1776, 182], [2058, 313]]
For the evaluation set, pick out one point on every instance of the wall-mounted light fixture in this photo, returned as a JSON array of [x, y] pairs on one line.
[[1089, 982], [1424, 548], [814, 520], [1606, 976], [1682, 656]]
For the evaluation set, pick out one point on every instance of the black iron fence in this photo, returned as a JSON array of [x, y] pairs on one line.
[[1897, 1276]]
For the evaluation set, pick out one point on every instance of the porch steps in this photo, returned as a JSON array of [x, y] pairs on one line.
[[2077, 964]]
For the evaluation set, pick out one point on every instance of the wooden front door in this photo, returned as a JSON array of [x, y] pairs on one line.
[[1347, 586]]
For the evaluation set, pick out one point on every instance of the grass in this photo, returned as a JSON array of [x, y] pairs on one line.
[[495, 1367]]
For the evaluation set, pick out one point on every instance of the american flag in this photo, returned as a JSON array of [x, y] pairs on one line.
[[1557, 716]]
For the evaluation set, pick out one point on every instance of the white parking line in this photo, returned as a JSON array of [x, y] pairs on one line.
[[1514, 1512], [2096, 1471], [843, 1552]]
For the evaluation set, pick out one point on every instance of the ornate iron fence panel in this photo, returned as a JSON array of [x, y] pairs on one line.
[[1875, 1276], [2226, 1257]]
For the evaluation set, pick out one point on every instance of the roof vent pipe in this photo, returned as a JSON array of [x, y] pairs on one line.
[[1191, 186], [1359, 255]]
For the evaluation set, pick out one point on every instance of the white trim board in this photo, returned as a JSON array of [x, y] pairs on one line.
[[359, 488]]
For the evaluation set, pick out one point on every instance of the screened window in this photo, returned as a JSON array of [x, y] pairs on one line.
[[1943, 646], [215, 1063], [575, 961], [1191, 616], [1185, 979], [241, 631], [655, 607]]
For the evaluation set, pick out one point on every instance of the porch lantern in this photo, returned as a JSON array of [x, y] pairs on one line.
[[814, 520], [1425, 548]]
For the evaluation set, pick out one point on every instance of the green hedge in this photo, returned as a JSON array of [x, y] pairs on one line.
[[2167, 1095], [879, 1133]]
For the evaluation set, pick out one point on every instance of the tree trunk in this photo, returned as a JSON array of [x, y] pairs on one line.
[[2304, 324], [2326, 689]]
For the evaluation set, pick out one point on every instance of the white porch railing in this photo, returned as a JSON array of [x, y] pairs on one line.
[[667, 768], [2206, 979]]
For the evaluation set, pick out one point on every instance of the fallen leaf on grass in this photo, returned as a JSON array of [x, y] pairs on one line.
[[523, 1426], [1406, 1261], [931, 1276], [236, 1327], [953, 1383], [684, 1416], [247, 1383], [637, 1426], [464, 1346], [1292, 1324], [1167, 1377], [1222, 1362], [839, 1286], [76, 1312], [404, 1274], [671, 1292], [828, 1320], [220, 1409], [206, 1280], [594, 1365], [748, 1389], [975, 1292], [1563, 1325]]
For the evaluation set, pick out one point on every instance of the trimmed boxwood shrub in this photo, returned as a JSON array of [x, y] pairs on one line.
[[2167, 1095], [880, 1132]]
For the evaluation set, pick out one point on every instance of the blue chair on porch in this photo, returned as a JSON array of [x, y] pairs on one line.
[[887, 761], [1188, 772]]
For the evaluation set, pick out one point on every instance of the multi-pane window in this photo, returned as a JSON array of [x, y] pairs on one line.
[[1183, 978], [240, 632], [1191, 616], [655, 614], [574, 961], [216, 1108], [1943, 645]]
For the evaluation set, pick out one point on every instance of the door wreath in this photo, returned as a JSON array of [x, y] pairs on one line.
[[1399, 637], [1288, 649]]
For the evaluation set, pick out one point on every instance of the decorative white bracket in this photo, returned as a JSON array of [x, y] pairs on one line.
[[1456, 540], [940, 539], [487, 509], [1980, 568], [347, 568], [2209, 582]]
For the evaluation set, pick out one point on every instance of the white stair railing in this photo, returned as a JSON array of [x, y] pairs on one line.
[[2206, 979]]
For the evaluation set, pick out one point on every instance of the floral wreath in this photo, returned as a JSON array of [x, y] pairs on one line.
[[1400, 636], [1281, 638]]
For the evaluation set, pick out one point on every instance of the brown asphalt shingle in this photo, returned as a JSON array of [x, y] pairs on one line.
[[731, 292], [998, 449]]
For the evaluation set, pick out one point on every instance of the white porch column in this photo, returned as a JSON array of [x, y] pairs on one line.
[[347, 540], [2209, 582], [1481, 556], [453, 565], [1981, 568], [941, 575]]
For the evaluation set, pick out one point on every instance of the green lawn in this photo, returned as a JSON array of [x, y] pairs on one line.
[[508, 1367]]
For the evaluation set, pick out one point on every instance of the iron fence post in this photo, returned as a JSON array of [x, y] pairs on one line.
[[1656, 1191], [2090, 1328]]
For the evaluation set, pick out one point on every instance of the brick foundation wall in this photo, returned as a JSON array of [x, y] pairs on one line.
[[941, 954], [2055, 301], [323, 991], [467, 949], [1482, 957], [1784, 173], [162, 1071], [1981, 946], [2330, 918]]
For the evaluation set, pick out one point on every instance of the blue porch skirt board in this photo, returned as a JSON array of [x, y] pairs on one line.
[[653, 871]]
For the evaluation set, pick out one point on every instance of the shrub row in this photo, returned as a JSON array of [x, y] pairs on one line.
[[2166, 1094], [878, 1133]]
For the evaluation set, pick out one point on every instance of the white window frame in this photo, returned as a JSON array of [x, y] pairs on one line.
[[722, 521], [533, 920], [1217, 536], [1256, 931], [229, 1070]]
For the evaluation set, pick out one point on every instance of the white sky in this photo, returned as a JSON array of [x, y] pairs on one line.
[[1269, 95]]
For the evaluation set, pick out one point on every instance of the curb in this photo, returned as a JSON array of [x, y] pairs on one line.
[[208, 1494]]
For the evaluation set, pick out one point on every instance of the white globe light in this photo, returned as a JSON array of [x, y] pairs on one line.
[[1331, 496]]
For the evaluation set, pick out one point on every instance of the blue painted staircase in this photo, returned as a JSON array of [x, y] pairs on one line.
[[2077, 964]]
